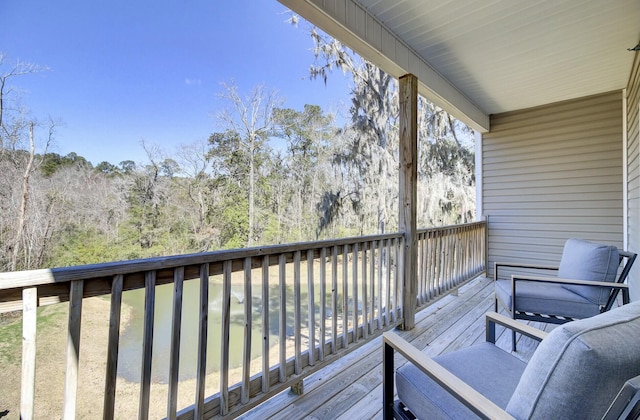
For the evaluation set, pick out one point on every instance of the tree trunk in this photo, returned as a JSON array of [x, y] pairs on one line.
[[251, 189], [22, 216]]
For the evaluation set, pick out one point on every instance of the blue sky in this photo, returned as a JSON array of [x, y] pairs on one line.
[[124, 71]]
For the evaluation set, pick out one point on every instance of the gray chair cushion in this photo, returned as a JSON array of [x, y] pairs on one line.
[[584, 260], [485, 367], [579, 368], [545, 298]]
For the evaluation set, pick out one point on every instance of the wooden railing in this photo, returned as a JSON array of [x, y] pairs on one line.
[[449, 256], [311, 303]]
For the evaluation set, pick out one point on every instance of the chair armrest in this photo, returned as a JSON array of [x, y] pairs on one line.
[[494, 319], [464, 393], [522, 265], [627, 401], [623, 287], [570, 281]]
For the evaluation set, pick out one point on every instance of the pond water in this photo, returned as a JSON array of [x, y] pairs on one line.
[[130, 355]]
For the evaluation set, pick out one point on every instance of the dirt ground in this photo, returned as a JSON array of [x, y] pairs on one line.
[[50, 365], [50, 368]]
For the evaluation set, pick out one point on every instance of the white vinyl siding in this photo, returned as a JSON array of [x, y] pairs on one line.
[[633, 174], [552, 173]]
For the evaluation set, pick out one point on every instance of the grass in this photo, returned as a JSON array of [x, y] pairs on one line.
[[10, 338], [11, 331]]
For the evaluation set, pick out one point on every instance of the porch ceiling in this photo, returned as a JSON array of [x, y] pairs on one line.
[[476, 58]]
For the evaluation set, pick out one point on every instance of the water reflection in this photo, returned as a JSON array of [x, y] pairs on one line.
[[130, 356]]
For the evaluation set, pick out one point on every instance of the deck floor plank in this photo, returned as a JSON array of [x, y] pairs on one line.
[[351, 387]]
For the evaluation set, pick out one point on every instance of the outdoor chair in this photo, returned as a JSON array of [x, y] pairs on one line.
[[587, 284], [576, 372]]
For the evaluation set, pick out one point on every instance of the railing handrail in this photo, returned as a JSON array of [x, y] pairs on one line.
[[39, 277], [449, 227]]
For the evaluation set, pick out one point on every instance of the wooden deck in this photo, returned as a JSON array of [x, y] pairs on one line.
[[351, 388]]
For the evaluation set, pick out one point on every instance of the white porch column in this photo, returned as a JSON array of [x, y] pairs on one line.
[[408, 192]]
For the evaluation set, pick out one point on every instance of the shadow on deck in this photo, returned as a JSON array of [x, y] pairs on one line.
[[352, 386]]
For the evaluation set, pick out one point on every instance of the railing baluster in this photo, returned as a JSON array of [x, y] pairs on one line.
[[473, 250], [454, 257], [202, 341], [345, 296], [387, 311], [446, 259], [283, 317], [334, 300], [354, 292], [396, 283], [147, 343], [372, 285], [433, 263], [429, 264], [420, 268], [436, 263], [297, 313], [73, 350], [424, 248], [466, 253], [443, 261], [380, 282], [450, 257], [224, 337], [465, 267], [457, 253], [401, 269], [460, 254], [446, 263], [424, 288], [453, 250], [312, 308], [439, 264], [265, 324], [323, 303], [248, 328], [176, 323], [29, 322], [365, 302], [112, 351]]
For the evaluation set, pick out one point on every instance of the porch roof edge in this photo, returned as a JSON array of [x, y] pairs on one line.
[[360, 30]]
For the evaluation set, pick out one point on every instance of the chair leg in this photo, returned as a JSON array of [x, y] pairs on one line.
[[625, 296], [513, 333], [388, 379]]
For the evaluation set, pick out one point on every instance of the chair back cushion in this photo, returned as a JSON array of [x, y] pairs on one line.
[[584, 260], [579, 368]]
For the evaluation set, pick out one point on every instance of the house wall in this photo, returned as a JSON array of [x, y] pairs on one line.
[[633, 172], [551, 173]]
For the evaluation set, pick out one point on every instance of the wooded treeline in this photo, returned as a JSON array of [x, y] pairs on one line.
[[270, 174]]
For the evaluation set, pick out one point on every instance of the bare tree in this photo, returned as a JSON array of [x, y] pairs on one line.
[[251, 117], [18, 149], [197, 166], [9, 130]]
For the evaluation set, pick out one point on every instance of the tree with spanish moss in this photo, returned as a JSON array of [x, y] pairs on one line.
[[369, 159]]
